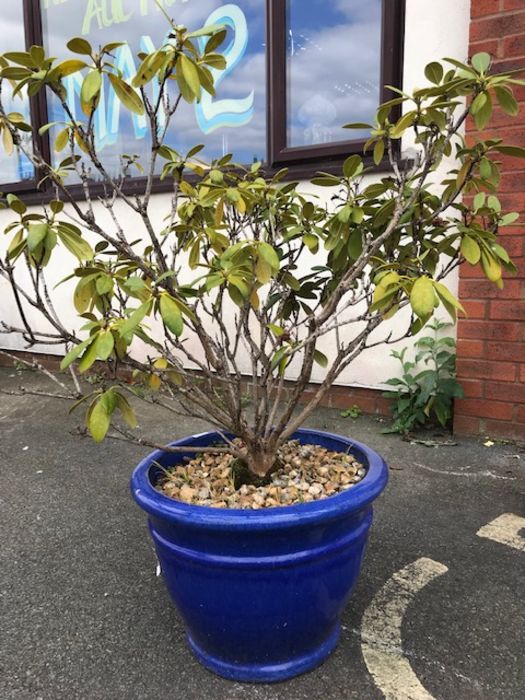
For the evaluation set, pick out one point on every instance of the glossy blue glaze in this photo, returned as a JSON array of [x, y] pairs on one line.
[[261, 592]]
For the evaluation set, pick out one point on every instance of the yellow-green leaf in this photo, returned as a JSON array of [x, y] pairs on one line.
[[71, 66], [470, 250], [61, 140], [191, 74], [37, 233], [448, 300], [126, 94], [105, 344], [491, 267], [423, 297], [91, 87], [99, 420], [7, 141], [126, 410], [171, 314], [80, 46]]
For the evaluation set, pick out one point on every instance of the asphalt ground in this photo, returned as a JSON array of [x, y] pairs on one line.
[[438, 611]]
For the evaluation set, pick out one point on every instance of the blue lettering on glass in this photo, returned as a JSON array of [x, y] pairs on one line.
[[212, 115]]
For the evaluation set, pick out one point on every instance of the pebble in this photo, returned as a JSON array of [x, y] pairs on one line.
[[308, 473]]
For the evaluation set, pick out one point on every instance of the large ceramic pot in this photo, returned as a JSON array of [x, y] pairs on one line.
[[261, 592]]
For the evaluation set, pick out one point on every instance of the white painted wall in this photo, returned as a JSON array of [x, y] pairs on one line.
[[433, 30]]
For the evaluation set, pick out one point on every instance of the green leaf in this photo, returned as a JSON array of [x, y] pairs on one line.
[[20, 57], [423, 297], [351, 166], [126, 410], [61, 140], [515, 151], [127, 95], [448, 300], [434, 72], [509, 218], [91, 87], [135, 319], [479, 200], [379, 151], [171, 314], [16, 204], [470, 250], [268, 253], [483, 113], [320, 358], [88, 358], [75, 353], [206, 31], [191, 74], [71, 66], [481, 62], [104, 284], [74, 242], [263, 270], [358, 125], [478, 102], [37, 233], [506, 100], [104, 344], [80, 46], [99, 419], [215, 41], [491, 267]]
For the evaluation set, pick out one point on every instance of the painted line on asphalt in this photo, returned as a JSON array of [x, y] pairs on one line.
[[381, 641], [505, 529]]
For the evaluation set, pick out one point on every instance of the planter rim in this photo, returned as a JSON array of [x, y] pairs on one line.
[[333, 507]]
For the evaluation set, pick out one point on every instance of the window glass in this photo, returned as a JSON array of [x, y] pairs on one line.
[[233, 121], [333, 68], [15, 167]]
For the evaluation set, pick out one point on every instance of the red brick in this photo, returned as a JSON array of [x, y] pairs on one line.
[[511, 4], [496, 27], [475, 309], [472, 388], [505, 65], [472, 271], [510, 352], [482, 408], [505, 429], [483, 289], [467, 425], [522, 374], [505, 391], [484, 369], [513, 181], [480, 8], [492, 46], [470, 348], [507, 310], [489, 329], [514, 45], [520, 414]]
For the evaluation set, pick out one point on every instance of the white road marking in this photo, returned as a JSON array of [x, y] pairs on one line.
[[381, 641], [506, 530]]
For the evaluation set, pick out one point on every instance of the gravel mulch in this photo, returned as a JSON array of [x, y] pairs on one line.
[[308, 473]]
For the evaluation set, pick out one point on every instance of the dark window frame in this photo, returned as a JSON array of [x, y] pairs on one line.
[[280, 155], [302, 162]]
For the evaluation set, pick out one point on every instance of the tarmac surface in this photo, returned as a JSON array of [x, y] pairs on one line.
[[438, 611]]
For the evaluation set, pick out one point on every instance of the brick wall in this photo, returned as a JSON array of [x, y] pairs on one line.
[[491, 342]]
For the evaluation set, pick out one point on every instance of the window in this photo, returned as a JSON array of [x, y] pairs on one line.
[[297, 70]]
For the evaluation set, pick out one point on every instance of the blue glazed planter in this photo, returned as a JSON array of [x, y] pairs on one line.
[[261, 592]]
